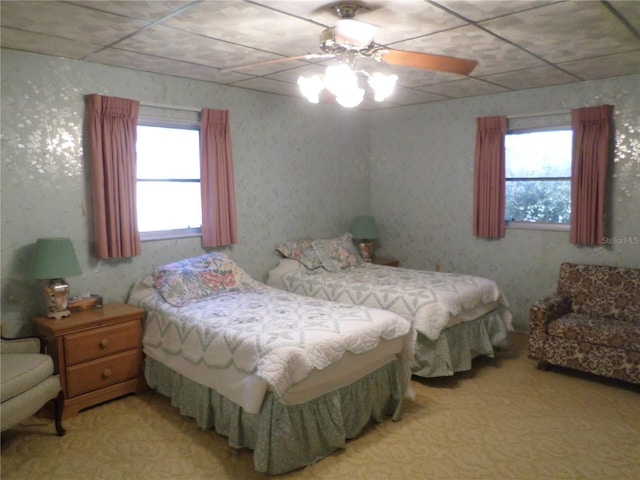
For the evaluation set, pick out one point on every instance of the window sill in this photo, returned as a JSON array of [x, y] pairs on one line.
[[170, 234], [556, 227]]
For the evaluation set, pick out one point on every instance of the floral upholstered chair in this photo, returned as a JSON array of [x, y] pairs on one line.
[[592, 322]]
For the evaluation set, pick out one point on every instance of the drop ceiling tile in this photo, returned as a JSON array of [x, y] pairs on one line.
[[269, 85], [251, 25], [394, 20], [415, 77], [406, 96], [291, 75], [167, 42], [493, 55], [149, 11], [566, 31], [603, 67], [463, 88], [531, 78], [630, 9], [90, 26], [262, 70], [60, 47], [477, 11], [166, 66]]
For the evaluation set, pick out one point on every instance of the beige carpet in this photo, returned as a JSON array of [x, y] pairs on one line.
[[503, 420]]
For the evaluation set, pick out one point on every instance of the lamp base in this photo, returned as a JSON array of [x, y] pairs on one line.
[[366, 250], [56, 293]]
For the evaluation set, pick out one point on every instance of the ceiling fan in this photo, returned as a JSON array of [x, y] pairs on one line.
[[351, 38]]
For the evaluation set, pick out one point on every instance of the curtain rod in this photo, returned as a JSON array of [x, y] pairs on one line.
[[544, 114], [170, 107]]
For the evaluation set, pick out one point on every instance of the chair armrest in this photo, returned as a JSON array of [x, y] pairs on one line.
[[23, 345], [548, 309], [541, 314]]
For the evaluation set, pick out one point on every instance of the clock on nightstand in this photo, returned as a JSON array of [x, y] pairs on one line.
[[389, 262]]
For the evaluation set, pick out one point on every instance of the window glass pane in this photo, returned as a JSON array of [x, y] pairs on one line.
[[168, 206], [164, 153], [538, 154], [546, 201]]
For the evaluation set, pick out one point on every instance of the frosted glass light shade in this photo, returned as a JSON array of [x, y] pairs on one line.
[[311, 87], [340, 79], [350, 32], [382, 85]]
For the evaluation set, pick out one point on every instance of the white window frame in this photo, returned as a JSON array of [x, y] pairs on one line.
[[176, 233], [538, 123]]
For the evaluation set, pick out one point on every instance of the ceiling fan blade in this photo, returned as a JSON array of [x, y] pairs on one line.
[[306, 56], [428, 61]]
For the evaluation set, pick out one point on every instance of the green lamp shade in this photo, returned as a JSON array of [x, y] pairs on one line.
[[364, 228], [53, 258]]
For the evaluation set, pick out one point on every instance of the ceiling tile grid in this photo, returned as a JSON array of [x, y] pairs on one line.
[[518, 44]]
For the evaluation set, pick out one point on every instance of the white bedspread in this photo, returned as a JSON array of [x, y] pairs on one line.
[[428, 299], [277, 336]]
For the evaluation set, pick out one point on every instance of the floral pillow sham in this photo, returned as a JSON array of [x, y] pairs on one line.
[[195, 279], [333, 254], [302, 251], [338, 253]]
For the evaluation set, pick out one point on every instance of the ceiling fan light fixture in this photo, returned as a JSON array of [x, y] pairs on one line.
[[351, 98], [353, 34], [382, 85], [311, 87], [339, 79]]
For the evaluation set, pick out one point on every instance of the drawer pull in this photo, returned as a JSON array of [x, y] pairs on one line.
[[104, 343], [106, 373]]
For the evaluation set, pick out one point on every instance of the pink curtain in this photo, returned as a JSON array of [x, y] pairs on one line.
[[489, 178], [112, 124], [591, 146], [219, 226]]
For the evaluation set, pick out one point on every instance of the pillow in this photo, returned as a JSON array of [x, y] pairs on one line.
[[338, 253], [302, 251], [293, 249], [195, 279]]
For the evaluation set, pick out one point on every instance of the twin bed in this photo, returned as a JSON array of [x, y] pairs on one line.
[[293, 372], [456, 317], [287, 376]]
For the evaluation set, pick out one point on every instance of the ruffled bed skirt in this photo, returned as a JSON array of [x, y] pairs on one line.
[[283, 437], [456, 346]]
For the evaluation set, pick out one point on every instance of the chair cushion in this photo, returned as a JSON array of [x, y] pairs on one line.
[[602, 291], [597, 331], [21, 371]]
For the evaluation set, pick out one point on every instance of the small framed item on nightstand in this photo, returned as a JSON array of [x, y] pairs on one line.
[[84, 302]]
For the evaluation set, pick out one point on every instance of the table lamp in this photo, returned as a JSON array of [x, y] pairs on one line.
[[365, 230], [53, 259]]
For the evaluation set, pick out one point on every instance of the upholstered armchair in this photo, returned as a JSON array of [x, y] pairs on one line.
[[591, 323], [28, 382]]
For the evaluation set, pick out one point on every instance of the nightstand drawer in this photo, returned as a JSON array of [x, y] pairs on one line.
[[101, 373], [100, 342]]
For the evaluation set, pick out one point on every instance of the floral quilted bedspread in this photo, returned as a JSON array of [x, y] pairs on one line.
[[279, 336], [428, 299]]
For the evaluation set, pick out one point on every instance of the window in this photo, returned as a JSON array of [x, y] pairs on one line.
[[168, 181], [538, 176]]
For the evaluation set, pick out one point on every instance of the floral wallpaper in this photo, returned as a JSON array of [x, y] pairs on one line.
[[422, 190], [301, 170]]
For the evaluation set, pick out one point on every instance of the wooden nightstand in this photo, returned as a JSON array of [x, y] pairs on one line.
[[98, 354], [389, 262]]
